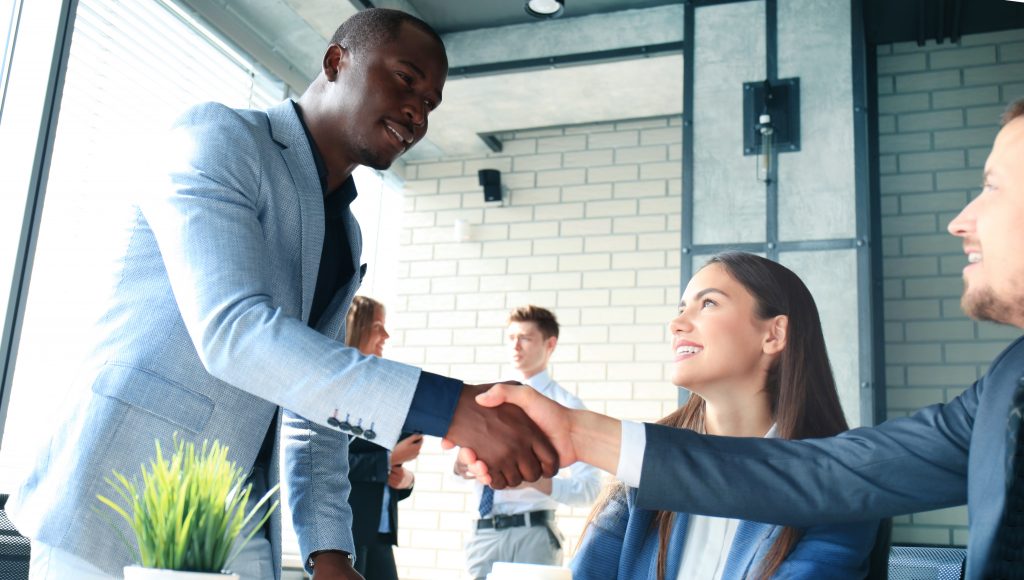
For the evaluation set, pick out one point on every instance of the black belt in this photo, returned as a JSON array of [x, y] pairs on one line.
[[500, 522]]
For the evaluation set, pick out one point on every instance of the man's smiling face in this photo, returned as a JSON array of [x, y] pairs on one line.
[[379, 97], [992, 229]]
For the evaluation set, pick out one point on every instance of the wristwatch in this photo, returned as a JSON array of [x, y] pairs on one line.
[[309, 562]]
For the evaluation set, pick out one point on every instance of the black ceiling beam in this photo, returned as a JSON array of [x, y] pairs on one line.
[[565, 60], [919, 21]]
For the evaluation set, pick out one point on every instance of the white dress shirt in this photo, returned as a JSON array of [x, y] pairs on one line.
[[708, 542], [576, 485]]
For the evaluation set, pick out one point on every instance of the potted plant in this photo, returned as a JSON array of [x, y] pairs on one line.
[[187, 514]]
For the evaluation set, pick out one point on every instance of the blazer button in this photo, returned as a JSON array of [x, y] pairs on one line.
[[1020, 382], [370, 434], [357, 430]]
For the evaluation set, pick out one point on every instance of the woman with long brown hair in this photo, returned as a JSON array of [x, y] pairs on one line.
[[747, 343]]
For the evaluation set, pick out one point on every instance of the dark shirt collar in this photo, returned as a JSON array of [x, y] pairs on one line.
[[347, 190]]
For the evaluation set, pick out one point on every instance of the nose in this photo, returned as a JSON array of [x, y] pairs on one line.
[[385, 333], [417, 113], [963, 224], [681, 323]]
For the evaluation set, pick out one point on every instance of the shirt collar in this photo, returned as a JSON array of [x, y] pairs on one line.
[[347, 190], [539, 381]]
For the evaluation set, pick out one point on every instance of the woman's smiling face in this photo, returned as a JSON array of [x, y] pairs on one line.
[[717, 338]]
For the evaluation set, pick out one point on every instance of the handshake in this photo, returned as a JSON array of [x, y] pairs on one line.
[[510, 433]]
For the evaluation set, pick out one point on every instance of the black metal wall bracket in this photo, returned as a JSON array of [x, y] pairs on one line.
[[781, 100]]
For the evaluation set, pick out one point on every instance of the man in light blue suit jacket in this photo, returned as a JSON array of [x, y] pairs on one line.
[[230, 306], [942, 456]]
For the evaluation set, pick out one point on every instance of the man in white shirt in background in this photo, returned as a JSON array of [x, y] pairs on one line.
[[518, 524]]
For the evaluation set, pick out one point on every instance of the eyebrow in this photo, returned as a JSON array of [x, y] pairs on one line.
[[419, 72], [704, 293]]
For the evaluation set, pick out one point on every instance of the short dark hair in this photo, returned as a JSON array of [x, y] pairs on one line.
[[376, 26], [545, 320], [1016, 109]]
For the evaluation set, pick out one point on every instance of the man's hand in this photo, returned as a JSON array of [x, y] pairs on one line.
[[552, 418], [407, 449], [400, 477], [334, 566], [577, 434], [503, 438], [542, 485]]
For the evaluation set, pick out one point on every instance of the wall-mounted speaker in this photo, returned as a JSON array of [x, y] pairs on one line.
[[491, 180]]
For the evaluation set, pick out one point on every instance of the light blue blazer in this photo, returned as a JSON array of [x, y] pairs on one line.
[[622, 542], [205, 335]]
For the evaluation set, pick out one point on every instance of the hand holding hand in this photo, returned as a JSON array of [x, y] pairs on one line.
[[577, 434], [407, 449], [552, 418], [503, 438]]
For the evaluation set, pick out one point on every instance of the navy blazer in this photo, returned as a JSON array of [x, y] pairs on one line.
[[942, 456], [368, 472], [622, 542]]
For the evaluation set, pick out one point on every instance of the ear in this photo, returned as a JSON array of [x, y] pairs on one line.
[[550, 344], [776, 335], [333, 59]]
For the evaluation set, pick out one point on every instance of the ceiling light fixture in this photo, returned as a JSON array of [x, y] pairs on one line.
[[544, 8]]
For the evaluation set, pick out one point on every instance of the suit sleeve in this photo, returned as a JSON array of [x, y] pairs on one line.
[[601, 546], [207, 222], [316, 466], [905, 465], [837, 552]]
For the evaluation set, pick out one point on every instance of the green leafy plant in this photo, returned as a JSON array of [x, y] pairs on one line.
[[189, 510]]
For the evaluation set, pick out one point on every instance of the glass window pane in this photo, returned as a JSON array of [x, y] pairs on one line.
[[133, 66]]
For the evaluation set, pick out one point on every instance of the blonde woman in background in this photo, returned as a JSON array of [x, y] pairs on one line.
[[379, 481]]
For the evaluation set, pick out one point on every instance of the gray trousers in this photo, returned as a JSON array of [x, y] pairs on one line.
[[523, 545]]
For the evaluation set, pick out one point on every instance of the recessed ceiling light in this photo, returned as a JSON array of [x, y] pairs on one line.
[[545, 8]]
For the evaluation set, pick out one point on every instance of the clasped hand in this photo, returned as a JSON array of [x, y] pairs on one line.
[[491, 459]]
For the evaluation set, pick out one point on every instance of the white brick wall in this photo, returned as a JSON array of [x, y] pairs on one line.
[[939, 108], [590, 229]]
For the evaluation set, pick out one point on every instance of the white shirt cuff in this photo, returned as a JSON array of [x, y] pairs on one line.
[[631, 453]]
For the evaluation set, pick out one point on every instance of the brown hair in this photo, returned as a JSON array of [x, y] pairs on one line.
[[1016, 109], [545, 320], [804, 401], [360, 319]]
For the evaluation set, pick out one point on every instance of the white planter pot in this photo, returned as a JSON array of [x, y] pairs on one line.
[[140, 573]]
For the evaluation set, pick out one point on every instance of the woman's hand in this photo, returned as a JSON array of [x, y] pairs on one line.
[[407, 449]]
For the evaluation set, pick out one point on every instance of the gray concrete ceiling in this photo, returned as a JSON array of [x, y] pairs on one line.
[[461, 15], [509, 71]]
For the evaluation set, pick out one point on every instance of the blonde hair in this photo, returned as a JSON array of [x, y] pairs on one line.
[[360, 319]]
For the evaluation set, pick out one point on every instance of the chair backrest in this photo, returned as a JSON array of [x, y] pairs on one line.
[[14, 548], [926, 563], [878, 560]]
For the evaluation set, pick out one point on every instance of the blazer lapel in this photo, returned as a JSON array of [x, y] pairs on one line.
[[676, 542], [286, 129], [746, 546]]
